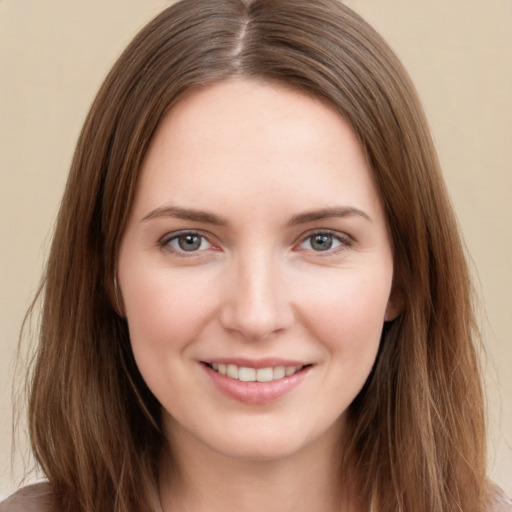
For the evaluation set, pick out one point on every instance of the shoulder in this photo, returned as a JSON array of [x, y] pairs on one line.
[[33, 498], [499, 502]]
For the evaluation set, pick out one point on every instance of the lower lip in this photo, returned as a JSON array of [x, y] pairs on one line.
[[255, 392]]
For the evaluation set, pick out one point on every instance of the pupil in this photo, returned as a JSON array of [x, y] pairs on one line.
[[189, 242], [322, 242]]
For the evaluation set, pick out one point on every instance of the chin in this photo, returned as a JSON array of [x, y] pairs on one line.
[[259, 450], [258, 439]]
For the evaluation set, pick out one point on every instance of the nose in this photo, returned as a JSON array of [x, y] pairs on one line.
[[256, 304]]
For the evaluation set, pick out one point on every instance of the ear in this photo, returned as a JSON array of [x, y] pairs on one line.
[[395, 304]]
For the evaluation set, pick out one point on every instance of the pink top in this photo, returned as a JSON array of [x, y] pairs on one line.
[[37, 498], [33, 498]]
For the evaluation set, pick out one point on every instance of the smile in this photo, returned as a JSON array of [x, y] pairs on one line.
[[256, 382], [247, 374]]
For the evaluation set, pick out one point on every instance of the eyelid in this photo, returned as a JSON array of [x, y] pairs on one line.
[[164, 242], [344, 239]]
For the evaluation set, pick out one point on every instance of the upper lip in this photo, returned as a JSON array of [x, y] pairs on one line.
[[268, 362]]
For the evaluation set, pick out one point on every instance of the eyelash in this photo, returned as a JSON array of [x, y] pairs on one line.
[[165, 243], [344, 242]]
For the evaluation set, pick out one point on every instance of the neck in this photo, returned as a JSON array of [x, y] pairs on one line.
[[202, 480]]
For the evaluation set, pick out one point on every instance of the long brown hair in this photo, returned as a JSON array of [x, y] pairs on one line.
[[417, 439]]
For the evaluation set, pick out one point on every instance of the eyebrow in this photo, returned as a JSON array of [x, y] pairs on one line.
[[210, 218], [185, 214], [326, 213]]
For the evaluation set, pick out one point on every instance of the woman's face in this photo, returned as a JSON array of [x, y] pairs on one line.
[[256, 270]]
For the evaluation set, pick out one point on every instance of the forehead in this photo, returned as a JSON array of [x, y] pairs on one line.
[[261, 109], [240, 138]]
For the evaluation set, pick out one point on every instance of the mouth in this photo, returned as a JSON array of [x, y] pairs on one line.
[[249, 374], [256, 382]]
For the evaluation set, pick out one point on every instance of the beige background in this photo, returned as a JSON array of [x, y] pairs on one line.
[[54, 54]]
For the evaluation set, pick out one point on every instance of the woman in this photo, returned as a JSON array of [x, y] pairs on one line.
[[256, 296]]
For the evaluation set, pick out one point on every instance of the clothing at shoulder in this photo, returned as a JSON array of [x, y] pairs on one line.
[[500, 502], [33, 498], [38, 498]]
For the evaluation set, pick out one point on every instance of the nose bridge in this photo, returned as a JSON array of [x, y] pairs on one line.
[[257, 305]]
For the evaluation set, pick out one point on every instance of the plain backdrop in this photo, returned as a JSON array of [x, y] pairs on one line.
[[55, 53]]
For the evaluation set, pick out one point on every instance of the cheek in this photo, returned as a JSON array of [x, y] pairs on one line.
[[346, 314], [165, 311]]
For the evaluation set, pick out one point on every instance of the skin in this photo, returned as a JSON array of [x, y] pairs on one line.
[[253, 158]]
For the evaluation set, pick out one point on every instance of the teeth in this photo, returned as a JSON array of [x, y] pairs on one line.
[[247, 374], [232, 371], [279, 372], [264, 374], [289, 370]]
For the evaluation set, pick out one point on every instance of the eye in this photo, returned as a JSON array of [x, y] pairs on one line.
[[324, 241], [189, 241]]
